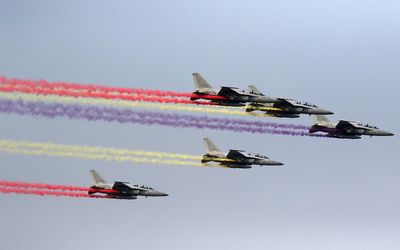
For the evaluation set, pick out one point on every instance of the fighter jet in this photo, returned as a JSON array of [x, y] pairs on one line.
[[345, 129], [227, 96], [234, 158], [287, 108], [120, 190]]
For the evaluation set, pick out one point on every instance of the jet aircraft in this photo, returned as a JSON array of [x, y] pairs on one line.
[[120, 190], [227, 96], [287, 108], [345, 129], [234, 158]]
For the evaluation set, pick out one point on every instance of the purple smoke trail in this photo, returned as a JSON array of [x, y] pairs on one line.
[[92, 113], [204, 119]]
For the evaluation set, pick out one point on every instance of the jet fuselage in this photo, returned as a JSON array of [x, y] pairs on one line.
[[126, 192], [288, 108], [231, 100], [350, 133], [240, 162]]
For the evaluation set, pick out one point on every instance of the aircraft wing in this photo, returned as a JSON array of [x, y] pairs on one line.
[[345, 125], [229, 91], [123, 197], [343, 136], [236, 165], [236, 155], [282, 102], [120, 186]]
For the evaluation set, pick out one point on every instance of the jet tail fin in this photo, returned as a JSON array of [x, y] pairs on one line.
[[201, 85], [211, 150], [254, 90], [210, 146], [98, 180]]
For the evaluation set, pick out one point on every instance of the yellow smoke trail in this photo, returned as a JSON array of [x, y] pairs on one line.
[[96, 153], [82, 155], [132, 104], [94, 150]]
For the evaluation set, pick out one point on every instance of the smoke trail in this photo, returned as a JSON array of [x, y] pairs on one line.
[[90, 87], [95, 88], [94, 153], [94, 150], [90, 152], [92, 113], [127, 116], [136, 104], [72, 93], [15, 184], [29, 185], [88, 156], [52, 193]]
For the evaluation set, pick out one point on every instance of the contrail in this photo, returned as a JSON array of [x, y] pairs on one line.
[[136, 104], [52, 193], [93, 113]]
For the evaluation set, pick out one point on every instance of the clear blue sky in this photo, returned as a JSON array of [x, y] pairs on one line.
[[330, 194]]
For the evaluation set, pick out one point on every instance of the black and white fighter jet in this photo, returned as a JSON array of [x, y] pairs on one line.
[[287, 108], [345, 129], [234, 158], [227, 96], [120, 190]]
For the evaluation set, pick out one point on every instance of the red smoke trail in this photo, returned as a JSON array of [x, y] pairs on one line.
[[53, 193], [70, 93], [98, 88], [43, 186], [28, 185]]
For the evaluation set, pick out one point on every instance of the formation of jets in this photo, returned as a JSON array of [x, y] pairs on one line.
[[252, 100]]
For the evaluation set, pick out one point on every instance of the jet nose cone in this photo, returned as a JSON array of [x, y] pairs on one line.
[[324, 112], [384, 133], [273, 163], [157, 193]]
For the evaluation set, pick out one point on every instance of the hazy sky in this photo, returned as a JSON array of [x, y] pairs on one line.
[[330, 194]]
